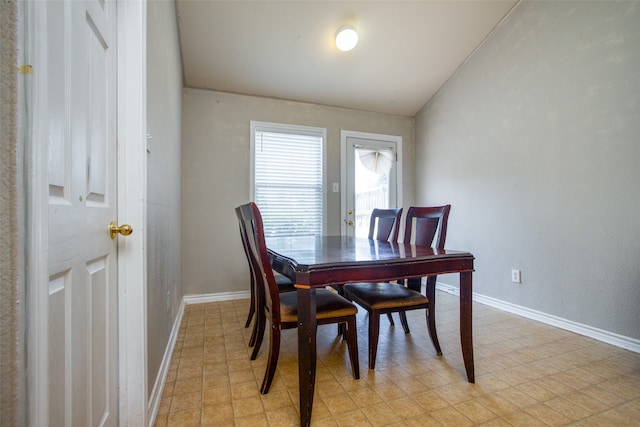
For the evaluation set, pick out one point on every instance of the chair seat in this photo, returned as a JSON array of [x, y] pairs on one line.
[[329, 305], [384, 295]]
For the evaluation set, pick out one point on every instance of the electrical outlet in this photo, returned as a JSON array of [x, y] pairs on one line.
[[515, 276]]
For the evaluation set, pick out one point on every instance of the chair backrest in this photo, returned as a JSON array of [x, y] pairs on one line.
[[385, 224], [251, 220], [427, 225], [245, 245]]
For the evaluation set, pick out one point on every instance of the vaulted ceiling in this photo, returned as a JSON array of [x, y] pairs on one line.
[[286, 49]]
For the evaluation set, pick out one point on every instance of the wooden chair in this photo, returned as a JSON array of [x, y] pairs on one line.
[[423, 226], [281, 309], [426, 226], [256, 303], [385, 224]]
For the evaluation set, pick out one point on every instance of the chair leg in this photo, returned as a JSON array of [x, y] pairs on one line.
[[254, 334], [413, 283], [403, 320], [352, 345], [272, 363], [431, 313], [390, 317], [252, 307], [259, 312], [261, 321], [374, 331], [341, 326]]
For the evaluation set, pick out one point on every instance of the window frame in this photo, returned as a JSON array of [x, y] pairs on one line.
[[294, 130]]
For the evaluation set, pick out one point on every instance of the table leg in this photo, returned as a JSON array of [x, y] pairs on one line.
[[466, 332], [431, 311], [306, 351]]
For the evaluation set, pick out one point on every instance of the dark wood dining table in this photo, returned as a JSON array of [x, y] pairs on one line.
[[315, 262]]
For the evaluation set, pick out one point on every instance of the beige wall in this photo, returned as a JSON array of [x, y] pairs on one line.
[[164, 120], [535, 142], [215, 164]]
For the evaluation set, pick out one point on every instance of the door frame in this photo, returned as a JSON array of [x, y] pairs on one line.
[[344, 135], [132, 179]]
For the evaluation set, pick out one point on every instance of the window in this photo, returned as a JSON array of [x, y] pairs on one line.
[[287, 180]]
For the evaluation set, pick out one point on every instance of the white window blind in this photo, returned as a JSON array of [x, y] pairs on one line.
[[288, 178]]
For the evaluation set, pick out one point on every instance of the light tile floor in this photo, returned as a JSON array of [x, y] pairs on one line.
[[527, 374]]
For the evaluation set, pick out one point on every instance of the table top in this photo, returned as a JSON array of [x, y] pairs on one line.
[[341, 259]]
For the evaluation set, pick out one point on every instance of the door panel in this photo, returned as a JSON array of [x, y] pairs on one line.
[[97, 114], [57, 140], [57, 323], [101, 303], [81, 137]]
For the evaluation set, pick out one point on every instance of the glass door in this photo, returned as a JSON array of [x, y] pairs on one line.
[[371, 171]]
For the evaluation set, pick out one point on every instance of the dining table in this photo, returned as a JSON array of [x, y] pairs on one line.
[[313, 262]]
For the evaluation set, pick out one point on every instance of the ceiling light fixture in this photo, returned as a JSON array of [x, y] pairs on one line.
[[346, 38]]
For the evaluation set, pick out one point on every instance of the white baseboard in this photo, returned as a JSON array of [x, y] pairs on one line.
[[158, 386], [223, 296], [617, 340]]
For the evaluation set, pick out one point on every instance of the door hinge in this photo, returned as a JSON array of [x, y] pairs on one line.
[[25, 69]]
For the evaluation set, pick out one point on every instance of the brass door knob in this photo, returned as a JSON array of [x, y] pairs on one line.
[[124, 229], [350, 223]]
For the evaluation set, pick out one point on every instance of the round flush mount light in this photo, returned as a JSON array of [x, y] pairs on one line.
[[346, 38]]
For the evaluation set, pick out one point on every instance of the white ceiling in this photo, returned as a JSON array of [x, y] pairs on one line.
[[286, 49]]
